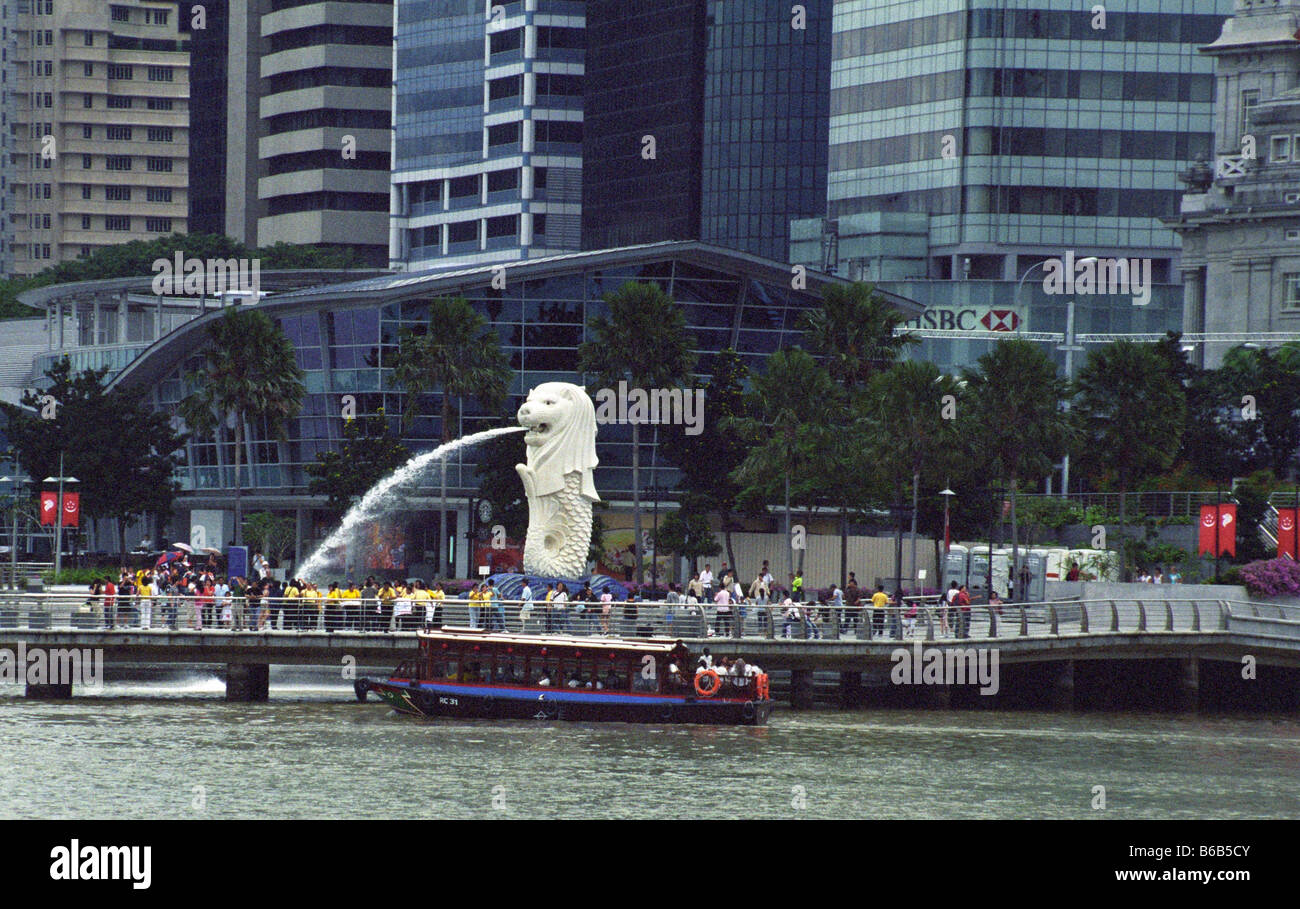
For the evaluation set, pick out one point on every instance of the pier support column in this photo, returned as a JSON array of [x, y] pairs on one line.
[[850, 689], [1062, 693], [1187, 692], [248, 682], [937, 697], [801, 689], [50, 692]]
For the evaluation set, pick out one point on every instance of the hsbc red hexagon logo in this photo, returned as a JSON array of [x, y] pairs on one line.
[[1001, 320]]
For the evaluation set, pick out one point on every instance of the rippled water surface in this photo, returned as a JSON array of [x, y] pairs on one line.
[[174, 748]]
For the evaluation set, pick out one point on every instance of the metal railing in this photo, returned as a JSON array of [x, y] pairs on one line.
[[922, 618]]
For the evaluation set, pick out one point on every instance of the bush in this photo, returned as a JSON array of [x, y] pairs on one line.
[[1272, 577], [80, 576]]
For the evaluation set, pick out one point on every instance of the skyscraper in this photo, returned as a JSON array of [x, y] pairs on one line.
[[100, 125], [488, 131], [1020, 128]]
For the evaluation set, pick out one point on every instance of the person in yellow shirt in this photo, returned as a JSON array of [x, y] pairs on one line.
[[289, 603], [387, 596], [437, 595], [311, 607], [352, 607], [475, 601], [420, 603], [145, 591], [879, 602], [333, 607]]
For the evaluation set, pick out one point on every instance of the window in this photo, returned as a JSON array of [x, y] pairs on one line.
[[121, 71], [88, 70], [117, 133], [119, 14], [158, 225], [160, 165], [117, 222], [117, 193], [85, 222], [48, 98], [160, 134], [462, 232], [160, 104], [46, 189], [117, 162], [155, 17], [1280, 149], [117, 102], [90, 39], [156, 194], [85, 190], [160, 74], [85, 252], [1291, 302], [49, 37], [85, 162], [1249, 99], [87, 131], [88, 101]]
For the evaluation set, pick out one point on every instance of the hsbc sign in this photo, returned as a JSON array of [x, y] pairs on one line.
[[974, 318]]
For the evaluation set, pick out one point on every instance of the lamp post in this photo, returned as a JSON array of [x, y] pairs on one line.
[[947, 535], [16, 483], [657, 492], [58, 504]]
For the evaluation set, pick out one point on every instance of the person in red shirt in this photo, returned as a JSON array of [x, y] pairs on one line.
[[963, 612], [110, 603]]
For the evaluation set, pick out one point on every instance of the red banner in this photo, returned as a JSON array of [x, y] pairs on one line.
[[71, 509], [1218, 534], [49, 514], [1286, 538]]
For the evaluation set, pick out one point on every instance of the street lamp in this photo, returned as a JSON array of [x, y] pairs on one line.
[[58, 532], [1069, 347], [16, 483], [947, 536]]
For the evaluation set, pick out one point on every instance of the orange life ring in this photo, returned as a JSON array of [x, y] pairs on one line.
[[712, 689]]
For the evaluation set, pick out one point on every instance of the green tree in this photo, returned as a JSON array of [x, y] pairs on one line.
[[911, 412], [273, 535], [1015, 394], [499, 483], [707, 459], [643, 342], [856, 333], [123, 452], [249, 375], [1129, 414], [1263, 388], [459, 355], [791, 411], [686, 533], [370, 451]]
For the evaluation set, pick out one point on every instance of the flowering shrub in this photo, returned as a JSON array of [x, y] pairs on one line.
[[1272, 577]]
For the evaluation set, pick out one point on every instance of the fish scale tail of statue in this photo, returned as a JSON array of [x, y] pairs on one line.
[[558, 485]]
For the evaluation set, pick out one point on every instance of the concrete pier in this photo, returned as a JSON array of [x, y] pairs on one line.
[[50, 692], [1062, 693], [248, 682], [801, 689]]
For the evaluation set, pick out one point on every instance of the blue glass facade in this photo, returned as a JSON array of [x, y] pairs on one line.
[[766, 108]]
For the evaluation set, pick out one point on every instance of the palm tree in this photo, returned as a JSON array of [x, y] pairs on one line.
[[1015, 395], [905, 406], [856, 334], [790, 415], [249, 373], [643, 342], [1130, 413], [457, 354]]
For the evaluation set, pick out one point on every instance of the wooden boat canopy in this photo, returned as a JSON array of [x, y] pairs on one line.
[[478, 636]]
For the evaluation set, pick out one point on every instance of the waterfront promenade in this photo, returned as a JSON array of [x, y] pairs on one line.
[[1055, 655]]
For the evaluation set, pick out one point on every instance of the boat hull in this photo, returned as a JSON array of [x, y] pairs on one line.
[[433, 699]]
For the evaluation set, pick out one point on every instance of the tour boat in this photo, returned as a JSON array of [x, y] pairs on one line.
[[465, 672]]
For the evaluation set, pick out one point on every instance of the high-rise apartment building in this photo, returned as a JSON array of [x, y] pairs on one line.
[[99, 127], [487, 131]]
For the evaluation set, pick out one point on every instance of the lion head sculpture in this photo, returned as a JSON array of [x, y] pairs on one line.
[[561, 437]]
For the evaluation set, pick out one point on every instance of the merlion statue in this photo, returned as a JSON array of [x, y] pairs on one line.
[[561, 445]]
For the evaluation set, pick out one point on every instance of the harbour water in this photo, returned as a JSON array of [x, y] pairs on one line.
[[167, 745]]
